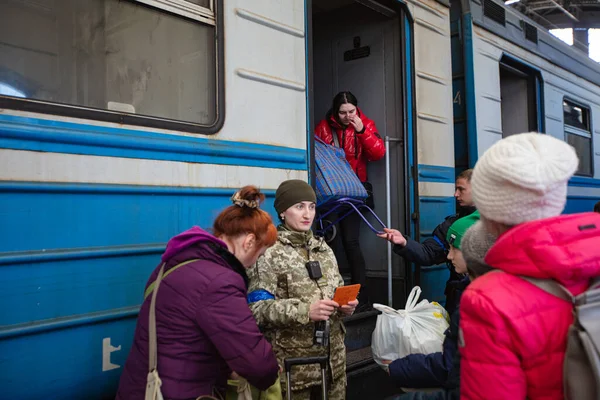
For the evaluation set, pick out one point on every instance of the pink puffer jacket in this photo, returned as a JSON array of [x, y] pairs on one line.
[[513, 333]]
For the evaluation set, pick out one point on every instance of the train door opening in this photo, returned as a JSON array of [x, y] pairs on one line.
[[520, 94], [357, 47]]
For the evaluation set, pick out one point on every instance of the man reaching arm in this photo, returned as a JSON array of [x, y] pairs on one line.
[[434, 250]]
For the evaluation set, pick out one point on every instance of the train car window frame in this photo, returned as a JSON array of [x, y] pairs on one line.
[[511, 65], [576, 132], [186, 9]]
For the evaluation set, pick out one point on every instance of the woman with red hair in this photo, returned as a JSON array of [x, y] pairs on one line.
[[204, 328]]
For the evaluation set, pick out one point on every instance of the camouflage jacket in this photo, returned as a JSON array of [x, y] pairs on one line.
[[282, 314]]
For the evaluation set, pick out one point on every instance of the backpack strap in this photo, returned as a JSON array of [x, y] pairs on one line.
[[592, 294], [552, 287]]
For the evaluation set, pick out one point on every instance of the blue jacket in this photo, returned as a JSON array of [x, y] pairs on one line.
[[432, 370]]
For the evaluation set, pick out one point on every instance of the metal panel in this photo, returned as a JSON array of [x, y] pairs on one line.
[[82, 362], [63, 137], [433, 212], [582, 194], [74, 261], [433, 83], [435, 158], [266, 38]]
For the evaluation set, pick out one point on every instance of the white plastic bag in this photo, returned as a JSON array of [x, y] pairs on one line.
[[418, 329]]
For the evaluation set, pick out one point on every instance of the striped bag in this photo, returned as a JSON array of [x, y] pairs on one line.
[[335, 178]]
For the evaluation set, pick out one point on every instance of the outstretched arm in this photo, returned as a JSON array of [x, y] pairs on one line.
[[430, 252]]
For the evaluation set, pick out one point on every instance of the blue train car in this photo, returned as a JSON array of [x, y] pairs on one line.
[[510, 76], [123, 123]]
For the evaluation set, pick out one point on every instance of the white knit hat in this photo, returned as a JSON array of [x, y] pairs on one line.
[[523, 178]]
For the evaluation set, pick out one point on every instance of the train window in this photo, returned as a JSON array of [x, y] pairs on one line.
[[578, 133], [146, 62]]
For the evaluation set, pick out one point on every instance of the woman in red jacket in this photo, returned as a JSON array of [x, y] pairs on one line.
[[347, 127], [514, 334]]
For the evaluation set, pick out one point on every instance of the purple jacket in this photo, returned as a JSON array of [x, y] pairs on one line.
[[204, 326]]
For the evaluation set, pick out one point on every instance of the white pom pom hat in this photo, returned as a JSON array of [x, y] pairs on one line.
[[523, 178]]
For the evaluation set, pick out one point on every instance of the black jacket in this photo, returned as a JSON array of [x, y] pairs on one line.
[[434, 250]]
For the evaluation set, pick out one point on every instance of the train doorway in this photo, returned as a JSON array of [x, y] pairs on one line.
[[358, 47]]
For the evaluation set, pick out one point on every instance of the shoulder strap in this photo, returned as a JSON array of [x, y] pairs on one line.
[[336, 140], [552, 287], [153, 284], [152, 354]]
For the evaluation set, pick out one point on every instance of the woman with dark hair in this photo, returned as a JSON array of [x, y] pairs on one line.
[[347, 127], [204, 328]]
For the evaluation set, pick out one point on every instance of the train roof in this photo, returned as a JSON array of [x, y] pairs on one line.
[[524, 32]]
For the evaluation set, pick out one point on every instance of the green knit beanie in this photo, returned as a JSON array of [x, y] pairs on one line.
[[292, 192], [458, 229]]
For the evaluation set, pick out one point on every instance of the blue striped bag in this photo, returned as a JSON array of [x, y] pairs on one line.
[[335, 178]]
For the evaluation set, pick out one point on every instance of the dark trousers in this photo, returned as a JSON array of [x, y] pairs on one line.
[[350, 235]]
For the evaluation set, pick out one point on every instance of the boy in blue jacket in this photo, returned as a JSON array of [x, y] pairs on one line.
[[441, 370]]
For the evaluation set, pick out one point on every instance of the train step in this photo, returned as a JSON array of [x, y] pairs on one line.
[[366, 379], [359, 329]]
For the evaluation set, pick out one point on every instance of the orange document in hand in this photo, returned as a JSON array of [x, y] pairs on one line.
[[345, 294]]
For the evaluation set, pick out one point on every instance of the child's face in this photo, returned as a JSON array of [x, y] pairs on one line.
[[456, 258]]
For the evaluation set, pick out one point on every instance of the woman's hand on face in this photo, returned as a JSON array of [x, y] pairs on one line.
[[357, 123], [320, 310], [349, 308], [393, 236]]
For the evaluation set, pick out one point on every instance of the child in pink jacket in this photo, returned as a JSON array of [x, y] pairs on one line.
[[513, 334]]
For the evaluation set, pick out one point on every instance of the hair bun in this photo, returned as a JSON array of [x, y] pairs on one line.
[[248, 196]]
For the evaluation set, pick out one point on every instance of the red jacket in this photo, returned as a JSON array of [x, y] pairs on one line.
[[514, 333], [359, 147]]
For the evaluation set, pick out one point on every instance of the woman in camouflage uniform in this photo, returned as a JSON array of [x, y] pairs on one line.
[[287, 303]]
